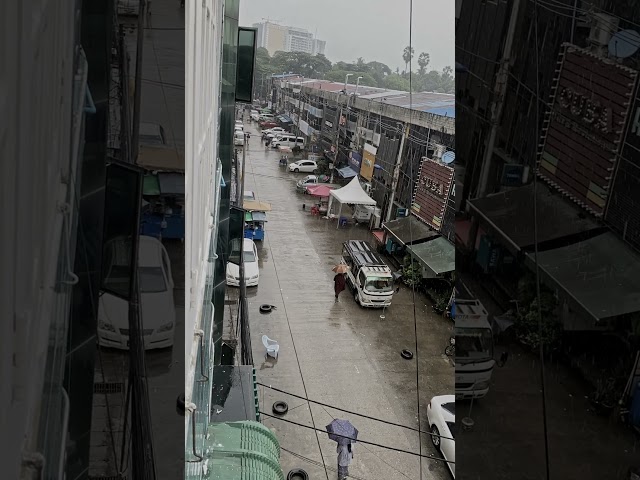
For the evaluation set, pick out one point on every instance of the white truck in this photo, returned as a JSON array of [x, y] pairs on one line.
[[474, 345], [368, 277]]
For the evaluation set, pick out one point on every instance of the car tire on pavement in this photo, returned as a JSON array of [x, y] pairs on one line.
[[297, 474], [356, 298], [297, 170], [435, 438], [280, 407]]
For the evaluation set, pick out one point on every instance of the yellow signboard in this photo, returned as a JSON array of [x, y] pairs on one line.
[[368, 162]]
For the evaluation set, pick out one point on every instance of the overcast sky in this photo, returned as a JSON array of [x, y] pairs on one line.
[[372, 29]]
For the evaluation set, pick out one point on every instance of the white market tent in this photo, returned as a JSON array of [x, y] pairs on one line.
[[351, 194]]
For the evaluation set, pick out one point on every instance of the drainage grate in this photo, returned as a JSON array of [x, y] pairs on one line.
[[108, 387]]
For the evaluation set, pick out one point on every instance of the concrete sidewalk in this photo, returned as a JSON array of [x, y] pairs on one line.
[[337, 353]]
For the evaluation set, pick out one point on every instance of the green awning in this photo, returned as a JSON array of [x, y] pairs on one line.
[[151, 185], [248, 217], [438, 255], [242, 450]]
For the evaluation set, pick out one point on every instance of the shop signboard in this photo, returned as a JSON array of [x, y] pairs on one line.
[[355, 160], [433, 188], [582, 134], [368, 161]]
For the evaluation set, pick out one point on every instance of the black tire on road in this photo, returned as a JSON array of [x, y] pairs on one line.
[[297, 474], [435, 438], [406, 354], [297, 170], [450, 351], [280, 407], [356, 298]]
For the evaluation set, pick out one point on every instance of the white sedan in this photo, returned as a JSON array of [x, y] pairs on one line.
[[309, 166], [251, 271], [156, 295], [441, 415]]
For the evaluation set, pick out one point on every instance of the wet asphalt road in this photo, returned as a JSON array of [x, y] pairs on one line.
[[337, 353]]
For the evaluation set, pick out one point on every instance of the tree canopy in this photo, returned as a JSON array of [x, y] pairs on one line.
[[373, 73]]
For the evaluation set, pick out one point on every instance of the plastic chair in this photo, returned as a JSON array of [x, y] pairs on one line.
[[271, 345]]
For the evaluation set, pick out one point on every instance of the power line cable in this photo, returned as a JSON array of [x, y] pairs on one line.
[[350, 412], [357, 440], [413, 287], [535, 245]]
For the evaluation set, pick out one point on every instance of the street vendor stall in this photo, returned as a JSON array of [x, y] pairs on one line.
[[163, 207], [351, 194], [255, 218], [322, 193]]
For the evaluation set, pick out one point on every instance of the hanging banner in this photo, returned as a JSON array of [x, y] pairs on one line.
[[355, 160], [368, 161]]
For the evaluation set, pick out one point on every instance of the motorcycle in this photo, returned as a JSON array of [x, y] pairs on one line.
[[284, 161]]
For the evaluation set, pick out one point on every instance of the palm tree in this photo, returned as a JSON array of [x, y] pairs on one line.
[[423, 61], [407, 55]]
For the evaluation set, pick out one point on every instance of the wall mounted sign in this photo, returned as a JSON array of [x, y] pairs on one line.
[[584, 129]]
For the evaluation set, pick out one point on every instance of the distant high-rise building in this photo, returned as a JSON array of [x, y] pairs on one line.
[[271, 36], [276, 37], [318, 47]]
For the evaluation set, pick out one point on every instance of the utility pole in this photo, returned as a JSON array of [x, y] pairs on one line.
[[499, 92], [244, 162], [300, 105], [335, 157], [396, 173], [138, 93]]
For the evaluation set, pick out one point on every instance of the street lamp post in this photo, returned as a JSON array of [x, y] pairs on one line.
[[346, 79], [357, 85]]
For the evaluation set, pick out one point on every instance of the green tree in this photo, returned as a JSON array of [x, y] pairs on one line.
[[396, 82], [423, 61], [407, 55], [338, 76]]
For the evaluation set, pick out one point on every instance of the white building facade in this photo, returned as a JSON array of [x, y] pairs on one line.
[[203, 177]]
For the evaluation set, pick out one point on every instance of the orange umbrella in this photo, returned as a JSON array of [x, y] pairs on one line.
[[340, 268]]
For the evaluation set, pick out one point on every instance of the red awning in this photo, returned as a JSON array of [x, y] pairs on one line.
[[319, 190], [379, 235]]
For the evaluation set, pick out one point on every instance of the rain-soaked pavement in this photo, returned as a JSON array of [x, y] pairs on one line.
[[582, 445], [337, 353]]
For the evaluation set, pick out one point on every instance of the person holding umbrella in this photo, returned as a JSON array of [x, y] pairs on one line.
[[343, 432], [340, 280]]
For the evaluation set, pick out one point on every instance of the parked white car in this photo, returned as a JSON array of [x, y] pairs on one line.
[[273, 131], [441, 415], [251, 271], [157, 306], [255, 115], [308, 166]]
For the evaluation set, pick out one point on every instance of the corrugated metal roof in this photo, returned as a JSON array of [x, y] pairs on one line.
[[242, 451], [438, 255]]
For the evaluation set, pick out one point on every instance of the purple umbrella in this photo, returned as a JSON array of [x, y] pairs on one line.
[[342, 431]]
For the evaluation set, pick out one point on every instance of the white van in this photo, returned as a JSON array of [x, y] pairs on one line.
[[287, 140], [238, 138]]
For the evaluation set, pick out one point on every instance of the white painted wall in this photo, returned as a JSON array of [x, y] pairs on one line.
[[203, 40]]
